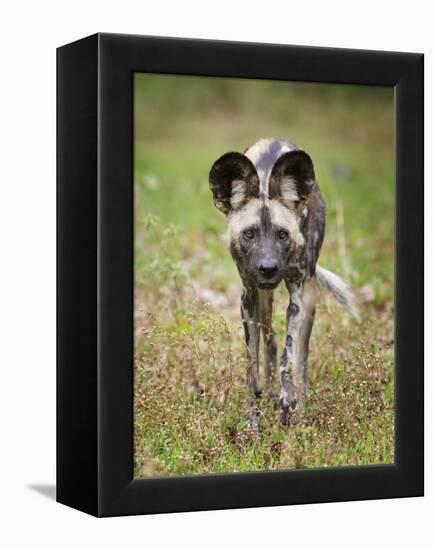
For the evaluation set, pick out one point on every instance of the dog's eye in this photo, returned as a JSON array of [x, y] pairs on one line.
[[283, 235], [248, 234]]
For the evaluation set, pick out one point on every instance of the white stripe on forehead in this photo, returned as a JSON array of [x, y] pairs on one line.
[[264, 154]]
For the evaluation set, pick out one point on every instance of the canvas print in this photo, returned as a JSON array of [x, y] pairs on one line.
[[263, 275]]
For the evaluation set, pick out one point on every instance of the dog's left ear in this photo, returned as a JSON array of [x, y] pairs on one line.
[[292, 178], [233, 180], [292, 182]]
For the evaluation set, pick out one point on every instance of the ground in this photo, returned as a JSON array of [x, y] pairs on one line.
[[189, 350]]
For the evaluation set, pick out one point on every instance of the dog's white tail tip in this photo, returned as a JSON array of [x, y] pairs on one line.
[[338, 288]]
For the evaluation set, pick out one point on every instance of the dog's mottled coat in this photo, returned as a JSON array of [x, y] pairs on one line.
[[275, 228]]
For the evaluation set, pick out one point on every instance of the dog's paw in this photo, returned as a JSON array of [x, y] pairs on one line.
[[288, 410], [254, 422], [253, 416]]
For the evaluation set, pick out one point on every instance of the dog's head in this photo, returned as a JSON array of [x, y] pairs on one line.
[[264, 222]]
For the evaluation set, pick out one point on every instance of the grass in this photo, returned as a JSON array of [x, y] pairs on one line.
[[189, 352]]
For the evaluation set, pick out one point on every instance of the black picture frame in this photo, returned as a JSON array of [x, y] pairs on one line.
[[95, 274]]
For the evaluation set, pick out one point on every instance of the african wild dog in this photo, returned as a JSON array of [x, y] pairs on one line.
[[275, 228]]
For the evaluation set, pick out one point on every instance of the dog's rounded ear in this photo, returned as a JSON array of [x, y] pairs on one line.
[[233, 180], [292, 181], [292, 178]]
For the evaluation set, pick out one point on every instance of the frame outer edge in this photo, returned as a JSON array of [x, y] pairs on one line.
[[409, 288], [76, 446], [118, 493]]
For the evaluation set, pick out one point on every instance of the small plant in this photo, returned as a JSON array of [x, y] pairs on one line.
[[160, 273]]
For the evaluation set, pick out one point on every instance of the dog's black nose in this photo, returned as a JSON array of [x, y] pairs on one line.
[[268, 268]]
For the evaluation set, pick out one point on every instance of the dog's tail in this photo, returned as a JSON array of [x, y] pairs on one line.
[[338, 288]]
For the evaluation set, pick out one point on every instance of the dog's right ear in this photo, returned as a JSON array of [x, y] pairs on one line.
[[233, 180], [292, 178]]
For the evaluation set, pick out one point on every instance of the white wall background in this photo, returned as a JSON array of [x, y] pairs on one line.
[[30, 32]]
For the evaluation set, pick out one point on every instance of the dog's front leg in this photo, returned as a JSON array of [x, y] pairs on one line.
[[293, 364], [270, 348], [250, 318], [301, 349]]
